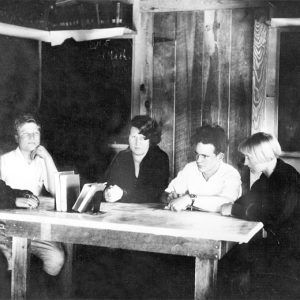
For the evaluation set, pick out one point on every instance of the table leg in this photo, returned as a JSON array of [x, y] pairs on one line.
[[67, 271], [20, 274], [205, 278]]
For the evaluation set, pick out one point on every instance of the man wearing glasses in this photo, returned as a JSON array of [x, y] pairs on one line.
[[207, 182], [31, 167]]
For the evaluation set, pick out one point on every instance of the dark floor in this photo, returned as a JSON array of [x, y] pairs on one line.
[[101, 273]]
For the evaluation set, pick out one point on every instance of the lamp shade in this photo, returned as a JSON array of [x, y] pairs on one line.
[[54, 21]]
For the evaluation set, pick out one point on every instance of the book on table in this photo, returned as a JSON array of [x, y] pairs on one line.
[[86, 195], [67, 189]]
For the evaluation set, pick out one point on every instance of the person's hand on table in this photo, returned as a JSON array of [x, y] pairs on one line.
[[226, 209], [167, 197], [113, 193], [172, 196], [27, 201], [180, 203]]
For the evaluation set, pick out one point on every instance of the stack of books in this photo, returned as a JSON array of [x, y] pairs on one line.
[[67, 189], [67, 192]]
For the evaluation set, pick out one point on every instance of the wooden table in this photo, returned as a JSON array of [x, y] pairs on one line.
[[143, 227]]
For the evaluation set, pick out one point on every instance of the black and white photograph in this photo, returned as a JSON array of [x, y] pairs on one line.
[[150, 150]]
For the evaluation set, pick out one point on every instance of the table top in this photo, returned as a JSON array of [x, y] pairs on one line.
[[150, 219]]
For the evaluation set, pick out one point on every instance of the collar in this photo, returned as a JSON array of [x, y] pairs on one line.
[[21, 156]]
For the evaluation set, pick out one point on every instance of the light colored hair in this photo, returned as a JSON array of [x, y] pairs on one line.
[[23, 119], [263, 146]]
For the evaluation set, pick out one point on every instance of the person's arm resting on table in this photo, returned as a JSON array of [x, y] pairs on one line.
[[206, 203], [230, 192], [13, 198]]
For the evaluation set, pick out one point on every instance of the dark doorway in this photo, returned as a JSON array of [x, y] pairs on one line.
[[289, 92]]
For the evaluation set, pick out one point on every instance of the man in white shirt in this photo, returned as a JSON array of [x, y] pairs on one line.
[[30, 167], [207, 182]]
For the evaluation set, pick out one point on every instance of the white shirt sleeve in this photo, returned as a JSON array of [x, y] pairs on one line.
[[2, 168], [232, 188], [179, 184]]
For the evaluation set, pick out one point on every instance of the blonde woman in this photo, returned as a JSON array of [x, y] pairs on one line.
[[273, 199]]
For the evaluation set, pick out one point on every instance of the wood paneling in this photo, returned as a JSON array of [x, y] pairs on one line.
[[142, 72], [185, 53], [213, 77], [217, 38], [163, 81], [240, 80], [193, 5], [214, 70], [260, 61], [197, 74], [210, 69], [224, 33]]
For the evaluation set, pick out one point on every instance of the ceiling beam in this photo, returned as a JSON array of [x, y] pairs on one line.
[[99, 1], [285, 22], [193, 5]]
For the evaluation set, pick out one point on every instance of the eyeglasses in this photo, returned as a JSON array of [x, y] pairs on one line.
[[27, 135], [202, 156]]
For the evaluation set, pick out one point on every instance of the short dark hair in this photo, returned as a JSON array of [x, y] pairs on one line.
[[147, 127], [211, 134], [25, 118]]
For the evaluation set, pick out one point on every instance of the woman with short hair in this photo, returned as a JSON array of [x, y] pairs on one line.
[[273, 199], [140, 173]]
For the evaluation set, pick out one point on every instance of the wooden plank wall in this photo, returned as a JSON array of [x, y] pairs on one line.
[[240, 85], [260, 61], [203, 74], [185, 85], [163, 81]]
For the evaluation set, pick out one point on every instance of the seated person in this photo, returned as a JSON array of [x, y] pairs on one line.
[[273, 199], [13, 198], [30, 167], [141, 172], [207, 182]]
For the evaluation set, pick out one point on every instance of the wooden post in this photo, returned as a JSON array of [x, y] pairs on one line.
[[20, 274], [65, 275], [205, 278], [142, 61]]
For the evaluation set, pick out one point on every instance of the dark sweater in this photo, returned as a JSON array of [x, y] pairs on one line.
[[151, 182], [275, 202], [7, 196]]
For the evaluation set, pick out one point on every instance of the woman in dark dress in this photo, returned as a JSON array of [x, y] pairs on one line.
[[273, 199], [140, 173]]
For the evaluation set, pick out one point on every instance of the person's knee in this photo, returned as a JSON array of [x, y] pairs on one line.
[[54, 264]]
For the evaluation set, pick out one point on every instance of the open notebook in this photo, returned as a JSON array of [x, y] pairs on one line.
[[86, 195]]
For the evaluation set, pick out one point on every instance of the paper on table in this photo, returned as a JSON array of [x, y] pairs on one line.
[[46, 203]]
